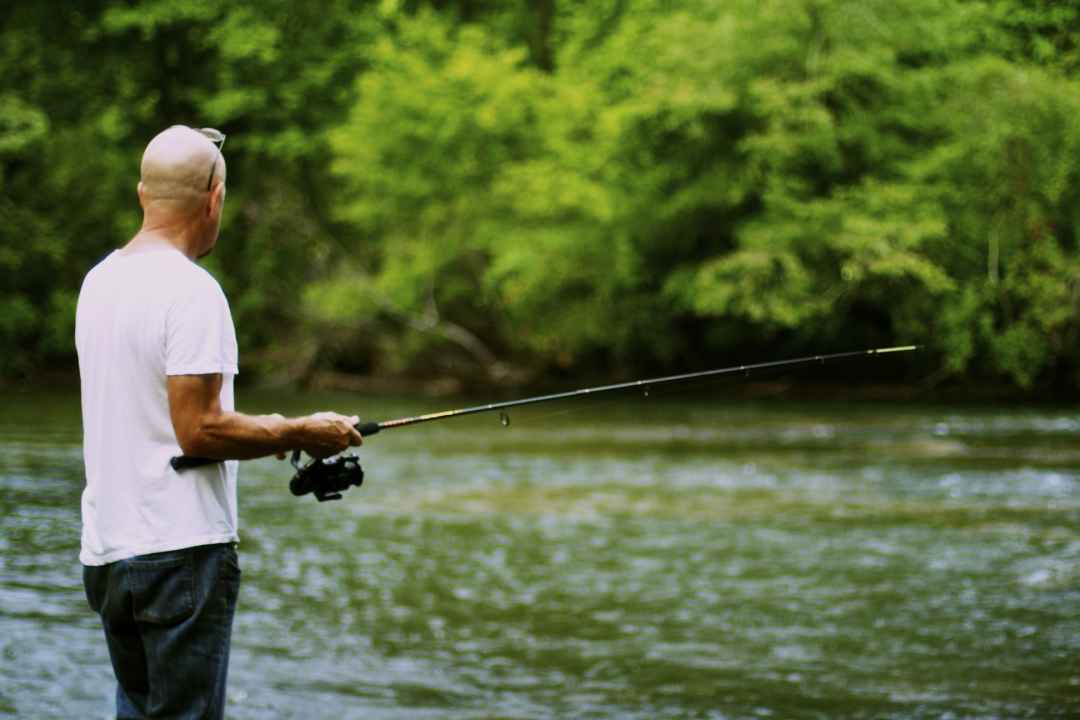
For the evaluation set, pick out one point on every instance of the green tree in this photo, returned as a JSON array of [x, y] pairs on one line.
[[85, 88], [476, 187]]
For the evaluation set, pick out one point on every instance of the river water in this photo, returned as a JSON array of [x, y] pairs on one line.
[[684, 557]]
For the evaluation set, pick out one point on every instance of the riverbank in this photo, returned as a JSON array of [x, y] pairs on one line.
[[792, 388]]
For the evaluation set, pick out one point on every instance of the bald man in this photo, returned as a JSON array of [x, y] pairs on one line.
[[157, 356]]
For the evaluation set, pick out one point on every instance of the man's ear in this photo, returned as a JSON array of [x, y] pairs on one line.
[[140, 192], [217, 200]]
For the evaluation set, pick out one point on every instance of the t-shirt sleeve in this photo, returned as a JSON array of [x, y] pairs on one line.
[[199, 336]]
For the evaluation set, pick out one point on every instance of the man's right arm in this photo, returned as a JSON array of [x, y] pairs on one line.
[[204, 429]]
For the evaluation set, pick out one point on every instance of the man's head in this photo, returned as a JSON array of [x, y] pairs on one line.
[[182, 184]]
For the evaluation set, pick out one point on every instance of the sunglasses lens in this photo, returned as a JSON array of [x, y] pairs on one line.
[[213, 135]]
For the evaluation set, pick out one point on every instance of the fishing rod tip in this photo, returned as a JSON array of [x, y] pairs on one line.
[[898, 348]]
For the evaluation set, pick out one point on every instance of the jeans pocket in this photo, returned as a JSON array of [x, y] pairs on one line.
[[231, 561], [94, 582], [164, 589]]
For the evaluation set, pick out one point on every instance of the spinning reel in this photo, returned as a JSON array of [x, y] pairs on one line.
[[328, 478]]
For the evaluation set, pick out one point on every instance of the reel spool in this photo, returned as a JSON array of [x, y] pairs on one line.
[[328, 478]]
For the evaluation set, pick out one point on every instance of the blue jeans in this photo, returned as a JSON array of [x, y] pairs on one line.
[[168, 623]]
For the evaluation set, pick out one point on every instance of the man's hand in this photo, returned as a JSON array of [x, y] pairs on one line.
[[327, 433]]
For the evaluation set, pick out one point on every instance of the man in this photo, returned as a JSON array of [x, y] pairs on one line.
[[157, 356]]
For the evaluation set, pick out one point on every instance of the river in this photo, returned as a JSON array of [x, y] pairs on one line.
[[680, 556]]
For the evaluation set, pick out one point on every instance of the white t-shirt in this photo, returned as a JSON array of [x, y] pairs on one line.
[[140, 318]]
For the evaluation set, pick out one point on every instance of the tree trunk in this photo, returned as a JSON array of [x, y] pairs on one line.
[[543, 19]]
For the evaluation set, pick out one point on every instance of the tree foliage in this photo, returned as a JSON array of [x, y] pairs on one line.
[[477, 187]]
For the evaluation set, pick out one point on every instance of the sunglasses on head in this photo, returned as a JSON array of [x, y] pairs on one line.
[[218, 138]]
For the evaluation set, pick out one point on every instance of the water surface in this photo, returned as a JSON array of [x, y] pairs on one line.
[[661, 558]]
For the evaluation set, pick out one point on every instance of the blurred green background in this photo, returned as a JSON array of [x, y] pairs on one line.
[[511, 192]]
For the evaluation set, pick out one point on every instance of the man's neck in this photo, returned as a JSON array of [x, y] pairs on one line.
[[156, 235]]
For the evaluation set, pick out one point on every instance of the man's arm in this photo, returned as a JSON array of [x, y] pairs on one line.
[[203, 429]]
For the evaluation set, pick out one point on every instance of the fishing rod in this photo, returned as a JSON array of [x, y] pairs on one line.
[[328, 478], [371, 428]]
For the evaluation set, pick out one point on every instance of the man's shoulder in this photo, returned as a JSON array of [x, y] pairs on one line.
[[194, 285], [193, 272], [100, 266], [172, 267], [206, 281], [167, 275]]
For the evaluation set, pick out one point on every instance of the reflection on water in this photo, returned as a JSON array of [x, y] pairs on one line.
[[648, 559]]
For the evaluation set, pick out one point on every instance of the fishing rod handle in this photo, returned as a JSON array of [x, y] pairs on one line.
[[185, 462]]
